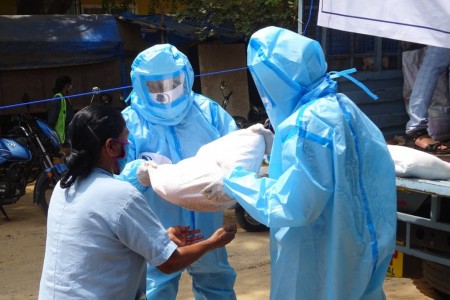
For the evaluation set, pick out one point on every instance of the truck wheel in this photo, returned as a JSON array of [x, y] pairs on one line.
[[247, 222], [437, 275]]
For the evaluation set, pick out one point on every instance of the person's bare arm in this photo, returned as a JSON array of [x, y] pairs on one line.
[[186, 255]]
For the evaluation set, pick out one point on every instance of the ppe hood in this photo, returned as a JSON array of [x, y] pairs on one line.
[[285, 66], [165, 65]]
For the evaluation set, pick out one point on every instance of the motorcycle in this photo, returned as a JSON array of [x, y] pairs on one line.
[[26, 155], [47, 180], [244, 219]]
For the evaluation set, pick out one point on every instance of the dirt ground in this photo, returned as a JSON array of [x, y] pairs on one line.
[[22, 245]]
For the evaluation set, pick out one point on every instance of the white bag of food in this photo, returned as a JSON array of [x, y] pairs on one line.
[[410, 162], [182, 183]]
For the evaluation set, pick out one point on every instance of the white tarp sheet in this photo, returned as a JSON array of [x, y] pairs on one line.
[[424, 22]]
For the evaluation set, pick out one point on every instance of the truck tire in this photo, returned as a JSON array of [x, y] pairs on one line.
[[246, 221], [437, 275]]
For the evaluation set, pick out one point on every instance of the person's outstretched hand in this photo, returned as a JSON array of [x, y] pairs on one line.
[[143, 172], [191, 249], [224, 235], [182, 236], [266, 133]]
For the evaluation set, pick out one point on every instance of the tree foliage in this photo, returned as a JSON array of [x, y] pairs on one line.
[[247, 16], [117, 6], [162, 6]]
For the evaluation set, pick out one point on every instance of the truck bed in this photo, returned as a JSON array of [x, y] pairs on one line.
[[438, 187], [423, 214]]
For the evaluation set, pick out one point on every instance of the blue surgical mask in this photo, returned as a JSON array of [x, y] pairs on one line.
[[121, 159]]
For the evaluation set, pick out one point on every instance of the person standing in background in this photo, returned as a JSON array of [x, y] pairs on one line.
[[430, 131], [61, 111]]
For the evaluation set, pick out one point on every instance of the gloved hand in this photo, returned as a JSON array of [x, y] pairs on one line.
[[268, 136], [215, 192], [143, 172], [214, 189]]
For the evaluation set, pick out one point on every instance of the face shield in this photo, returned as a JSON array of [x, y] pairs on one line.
[[279, 94], [167, 90], [272, 85]]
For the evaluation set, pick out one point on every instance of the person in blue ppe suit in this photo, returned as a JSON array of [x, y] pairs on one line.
[[168, 122], [330, 197]]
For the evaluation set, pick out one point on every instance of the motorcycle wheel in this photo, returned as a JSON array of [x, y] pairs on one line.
[[43, 190], [247, 222]]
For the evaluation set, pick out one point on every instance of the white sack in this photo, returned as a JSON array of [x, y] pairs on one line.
[[182, 183], [240, 148], [410, 162]]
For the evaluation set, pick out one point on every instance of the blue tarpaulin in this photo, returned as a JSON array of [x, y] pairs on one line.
[[179, 33], [44, 41]]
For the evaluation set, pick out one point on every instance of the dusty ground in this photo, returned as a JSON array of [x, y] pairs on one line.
[[22, 244]]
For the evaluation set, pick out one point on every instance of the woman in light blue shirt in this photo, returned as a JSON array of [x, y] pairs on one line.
[[100, 230]]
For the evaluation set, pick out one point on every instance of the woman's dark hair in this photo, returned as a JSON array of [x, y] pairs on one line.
[[60, 82], [88, 132]]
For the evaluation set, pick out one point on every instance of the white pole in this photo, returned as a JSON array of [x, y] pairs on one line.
[[300, 16]]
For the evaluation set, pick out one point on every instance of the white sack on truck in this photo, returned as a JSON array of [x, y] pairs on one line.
[[410, 162], [182, 183]]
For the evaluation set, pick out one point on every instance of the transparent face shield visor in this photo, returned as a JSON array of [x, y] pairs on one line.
[[166, 91]]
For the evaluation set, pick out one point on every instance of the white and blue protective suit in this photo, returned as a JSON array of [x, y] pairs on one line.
[[176, 128], [330, 198]]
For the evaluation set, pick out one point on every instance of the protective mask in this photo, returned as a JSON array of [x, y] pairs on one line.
[[168, 96], [120, 160], [279, 94]]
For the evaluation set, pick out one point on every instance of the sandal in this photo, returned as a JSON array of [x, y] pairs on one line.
[[433, 147], [410, 138]]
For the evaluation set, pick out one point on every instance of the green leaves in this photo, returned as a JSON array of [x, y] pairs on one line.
[[117, 6], [247, 16]]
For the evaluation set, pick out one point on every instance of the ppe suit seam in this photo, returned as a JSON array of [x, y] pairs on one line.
[[370, 225]]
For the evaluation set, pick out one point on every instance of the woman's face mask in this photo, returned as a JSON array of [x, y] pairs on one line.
[[120, 160]]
